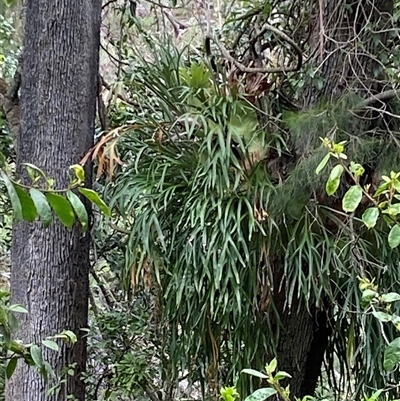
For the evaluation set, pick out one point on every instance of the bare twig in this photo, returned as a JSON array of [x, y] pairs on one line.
[[177, 25], [106, 294], [387, 95], [263, 70], [113, 57]]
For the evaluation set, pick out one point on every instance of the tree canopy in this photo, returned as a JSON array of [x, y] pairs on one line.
[[248, 152]]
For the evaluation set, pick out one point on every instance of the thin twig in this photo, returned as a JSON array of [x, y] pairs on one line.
[[387, 95], [263, 70]]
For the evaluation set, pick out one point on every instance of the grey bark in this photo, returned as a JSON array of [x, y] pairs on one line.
[[50, 267]]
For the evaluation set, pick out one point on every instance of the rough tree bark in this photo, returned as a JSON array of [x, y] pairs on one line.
[[50, 267], [338, 28]]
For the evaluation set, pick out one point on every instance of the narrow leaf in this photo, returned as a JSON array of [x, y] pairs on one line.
[[15, 202], [370, 217], [352, 198], [42, 206], [394, 236], [79, 209], [95, 198], [62, 208], [12, 364], [322, 164], [255, 373]]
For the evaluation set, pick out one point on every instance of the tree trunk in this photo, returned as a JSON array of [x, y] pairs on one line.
[[50, 267], [337, 29]]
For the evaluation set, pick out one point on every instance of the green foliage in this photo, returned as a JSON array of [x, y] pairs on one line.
[[389, 190], [123, 345], [14, 350], [202, 211], [39, 198], [195, 196], [273, 378], [8, 47], [381, 307]]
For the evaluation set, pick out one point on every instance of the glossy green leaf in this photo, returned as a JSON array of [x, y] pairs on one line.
[[36, 354], [382, 316], [29, 211], [12, 364], [10, 3], [79, 172], [334, 179], [393, 209], [42, 206], [271, 367], [15, 202], [322, 163], [390, 297], [79, 209], [62, 208], [34, 171], [370, 217], [67, 336], [282, 375], [50, 344], [352, 198], [368, 295], [49, 369], [17, 309], [95, 198], [394, 236], [255, 373], [391, 356], [261, 394]]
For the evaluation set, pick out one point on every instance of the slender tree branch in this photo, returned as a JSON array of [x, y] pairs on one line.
[[387, 95], [113, 57], [263, 70]]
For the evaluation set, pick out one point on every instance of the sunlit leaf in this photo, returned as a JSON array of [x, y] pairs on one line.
[[390, 297], [394, 236], [261, 394], [79, 172], [255, 373], [282, 375], [370, 216], [382, 316], [334, 179], [352, 198], [95, 198], [322, 163]]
